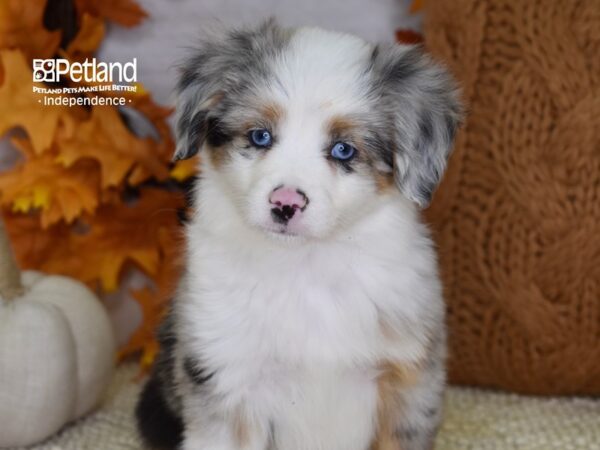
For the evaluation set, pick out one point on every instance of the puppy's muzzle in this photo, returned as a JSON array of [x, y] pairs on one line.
[[286, 203]]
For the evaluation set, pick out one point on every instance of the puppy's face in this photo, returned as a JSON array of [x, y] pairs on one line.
[[305, 132]]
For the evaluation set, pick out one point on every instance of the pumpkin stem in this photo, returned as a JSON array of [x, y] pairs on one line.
[[10, 276]]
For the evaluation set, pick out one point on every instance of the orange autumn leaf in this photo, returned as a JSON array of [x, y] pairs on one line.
[[117, 235], [409, 37], [153, 301], [58, 250], [184, 169], [105, 138], [416, 6], [163, 146], [58, 192], [88, 38], [124, 12], [142, 338], [32, 245], [142, 101], [20, 107], [21, 26], [153, 307]]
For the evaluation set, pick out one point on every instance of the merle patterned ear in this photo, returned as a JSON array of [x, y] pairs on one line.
[[198, 91], [424, 104], [225, 63], [191, 124]]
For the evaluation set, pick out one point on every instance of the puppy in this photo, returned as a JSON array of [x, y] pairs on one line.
[[310, 315]]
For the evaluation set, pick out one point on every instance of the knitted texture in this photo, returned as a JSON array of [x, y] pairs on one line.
[[517, 217]]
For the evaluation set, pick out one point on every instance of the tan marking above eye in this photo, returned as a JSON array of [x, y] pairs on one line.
[[272, 113], [266, 116], [341, 126]]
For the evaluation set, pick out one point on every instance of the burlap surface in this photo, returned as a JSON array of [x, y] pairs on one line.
[[475, 419]]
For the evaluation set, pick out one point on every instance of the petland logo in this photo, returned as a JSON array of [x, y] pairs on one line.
[[88, 83], [52, 70]]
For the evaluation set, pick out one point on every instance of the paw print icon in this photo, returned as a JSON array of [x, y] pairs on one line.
[[44, 70]]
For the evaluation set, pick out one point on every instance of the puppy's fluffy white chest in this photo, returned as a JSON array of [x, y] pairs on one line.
[[325, 302], [298, 335], [320, 405]]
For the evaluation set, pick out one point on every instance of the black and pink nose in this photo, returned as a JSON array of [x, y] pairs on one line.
[[286, 202]]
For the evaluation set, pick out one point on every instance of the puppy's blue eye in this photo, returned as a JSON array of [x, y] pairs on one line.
[[260, 138], [342, 151]]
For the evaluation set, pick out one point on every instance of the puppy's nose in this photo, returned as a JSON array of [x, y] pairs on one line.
[[286, 202]]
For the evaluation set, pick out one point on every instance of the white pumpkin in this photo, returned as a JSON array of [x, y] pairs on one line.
[[57, 351]]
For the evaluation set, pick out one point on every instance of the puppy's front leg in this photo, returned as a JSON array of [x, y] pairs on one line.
[[206, 430], [410, 403]]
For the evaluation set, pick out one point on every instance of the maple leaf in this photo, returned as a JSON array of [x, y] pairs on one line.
[[105, 138], [153, 301], [184, 169], [416, 6], [20, 107], [32, 244], [88, 38], [142, 102], [37, 182], [124, 12], [21, 26], [153, 160], [117, 235], [164, 147], [409, 37]]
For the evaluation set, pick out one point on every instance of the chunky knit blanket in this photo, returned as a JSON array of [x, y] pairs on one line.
[[517, 217], [475, 419]]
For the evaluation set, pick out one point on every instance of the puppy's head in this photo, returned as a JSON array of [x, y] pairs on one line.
[[305, 131]]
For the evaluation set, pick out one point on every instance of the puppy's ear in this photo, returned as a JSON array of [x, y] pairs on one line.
[[224, 64], [197, 92], [423, 103]]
